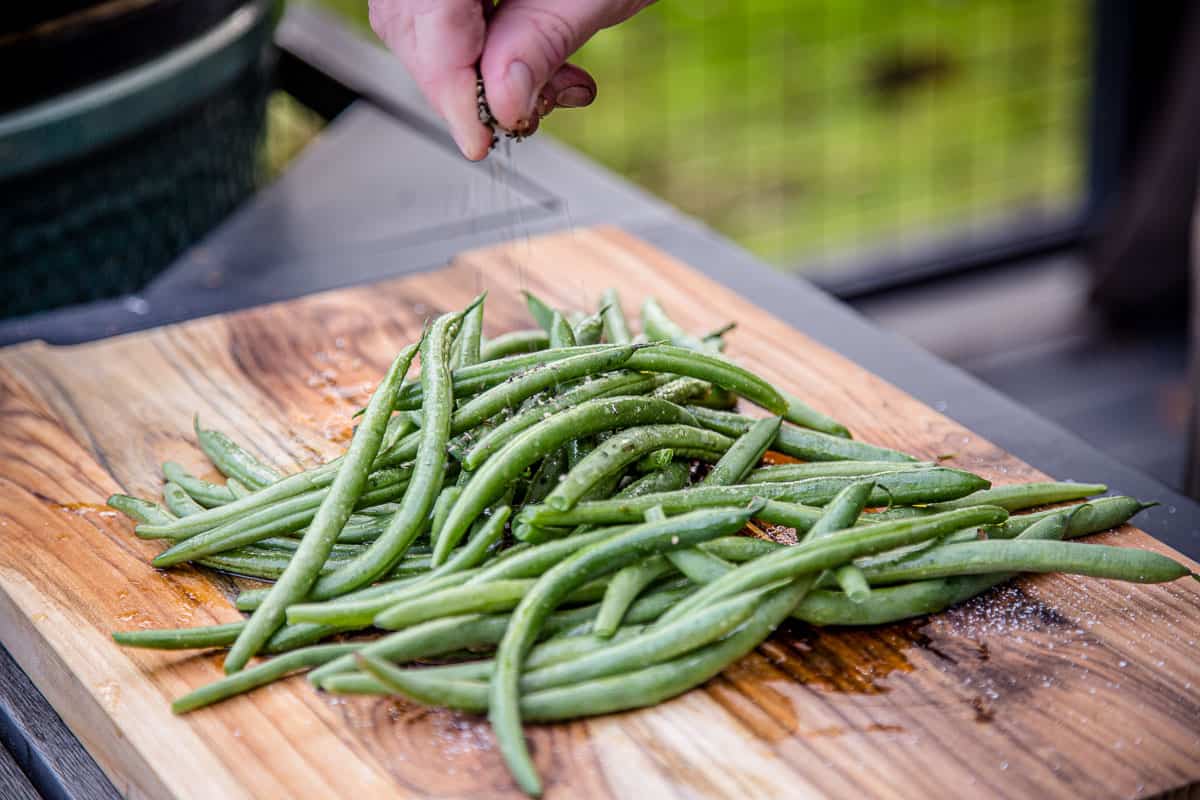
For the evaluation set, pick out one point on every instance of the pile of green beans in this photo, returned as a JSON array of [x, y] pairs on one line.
[[577, 499]]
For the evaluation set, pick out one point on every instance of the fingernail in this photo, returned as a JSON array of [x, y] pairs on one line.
[[575, 97], [466, 136], [520, 80], [459, 136]]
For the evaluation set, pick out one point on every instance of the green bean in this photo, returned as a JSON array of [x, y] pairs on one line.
[[625, 448], [1094, 516], [834, 551], [740, 548], [470, 335], [495, 475], [250, 599], [800, 413], [441, 507], [545, 654], [474, 379], [260, 675], [624, 691], [140, 510], [906, 486], [304, 568], [652, 462], [231, 460], [520, 387], [247, 565], [429, 639], [399, 426], [650, 647], [647, 608], [843, 511], [682, 390], [658, 325], [696, 392], [428, 469], [536, 560], [853, 583], [744, 454], [359, 608], [560, 332], [540, 310], [318, 478], [1108, 513], [790, 515], [291, 637], [848, 576], [1012, 497], [546, 477], [372, 514], [217, 636], [892, 603], [616, 327], [697, 565], [181, 638], [361, 531], [489, 532], [284, 517], [711, 368], [477, 630], [621, 383], [824, 469], [178, 501], [576, 449], [668, 479], [654, 645], [238, 488], [554, 585], [589, 329], [340, 552], [261, 501], [624, 588], [800, 442], [1017, 555], [1054, 526], [714, 397], [1015, 497], [514, 343], [739, 459], [501, 595], [268, 564], [203, 492]]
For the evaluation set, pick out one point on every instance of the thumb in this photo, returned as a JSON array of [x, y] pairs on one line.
[[528, 40]]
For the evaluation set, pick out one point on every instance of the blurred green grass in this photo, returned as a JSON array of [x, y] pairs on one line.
[[808, 127]]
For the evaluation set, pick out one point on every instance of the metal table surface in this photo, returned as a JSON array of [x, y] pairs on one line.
[[382, 193]]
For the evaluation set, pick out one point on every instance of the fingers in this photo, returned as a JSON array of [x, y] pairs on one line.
[[528, 41], [440, 41], [570, 87]]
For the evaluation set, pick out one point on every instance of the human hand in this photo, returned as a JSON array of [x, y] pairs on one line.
[[521, 47]]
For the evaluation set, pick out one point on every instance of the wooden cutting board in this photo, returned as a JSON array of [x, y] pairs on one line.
[[1052, 686]]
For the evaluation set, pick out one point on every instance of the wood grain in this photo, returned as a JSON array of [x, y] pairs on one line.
[[1052, 686]]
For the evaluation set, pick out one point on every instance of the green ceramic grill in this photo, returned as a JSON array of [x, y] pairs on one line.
[[103, 182]]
